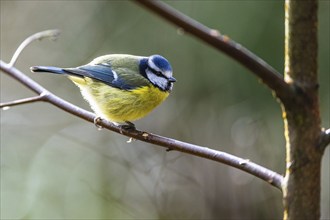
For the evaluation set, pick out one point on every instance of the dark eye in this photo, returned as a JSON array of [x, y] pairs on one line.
[[157, 73]]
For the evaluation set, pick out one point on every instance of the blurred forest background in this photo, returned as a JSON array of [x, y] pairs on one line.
[[55, 166]]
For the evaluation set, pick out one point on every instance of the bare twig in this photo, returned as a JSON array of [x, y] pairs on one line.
[[259, 67], [52, 34], [245, 165], [5, 105]]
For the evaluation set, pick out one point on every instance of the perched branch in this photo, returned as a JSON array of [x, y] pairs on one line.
[[52, 34], [269, 176], [259, 67]]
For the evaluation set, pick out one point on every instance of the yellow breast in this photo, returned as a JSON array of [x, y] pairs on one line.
[[118, 105]]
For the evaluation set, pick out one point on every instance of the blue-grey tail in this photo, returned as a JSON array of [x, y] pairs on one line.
[[48, 69]]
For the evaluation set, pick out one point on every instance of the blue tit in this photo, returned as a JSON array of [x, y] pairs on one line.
[[121, 88]]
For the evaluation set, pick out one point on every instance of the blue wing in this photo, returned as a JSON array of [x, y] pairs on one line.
[[122, 78], [99, 72]]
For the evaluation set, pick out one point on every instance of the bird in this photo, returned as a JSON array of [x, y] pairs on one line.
[[120, 88]]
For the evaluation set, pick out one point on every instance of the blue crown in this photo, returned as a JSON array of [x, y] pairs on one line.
[[161, 62]]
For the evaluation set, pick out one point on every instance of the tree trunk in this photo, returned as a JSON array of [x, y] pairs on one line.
[[301, 188]]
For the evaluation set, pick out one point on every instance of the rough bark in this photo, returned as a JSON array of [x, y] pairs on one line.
[[301, 189]]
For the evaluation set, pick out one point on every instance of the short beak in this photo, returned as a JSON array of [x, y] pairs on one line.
[[172, 79]]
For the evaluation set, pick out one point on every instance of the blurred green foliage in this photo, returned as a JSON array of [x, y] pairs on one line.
[[55, 166]]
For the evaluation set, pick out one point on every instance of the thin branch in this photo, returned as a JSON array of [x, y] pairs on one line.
[[273, 79], [245, 165], [6, 105], [52, 34]]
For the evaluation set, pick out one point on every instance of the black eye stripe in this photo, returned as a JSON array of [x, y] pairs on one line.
[[158, 73]]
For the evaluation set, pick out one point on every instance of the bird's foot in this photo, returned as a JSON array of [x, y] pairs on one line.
[[129, 126], [97, 120]]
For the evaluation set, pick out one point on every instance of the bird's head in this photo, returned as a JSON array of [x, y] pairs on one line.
[[158, 71]]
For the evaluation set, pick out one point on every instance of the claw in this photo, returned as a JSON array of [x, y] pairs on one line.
[[130, 140], [97, 120]]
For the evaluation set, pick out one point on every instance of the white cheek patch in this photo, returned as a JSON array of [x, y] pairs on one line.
[[157, 80]]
